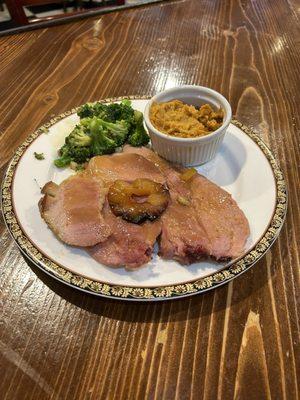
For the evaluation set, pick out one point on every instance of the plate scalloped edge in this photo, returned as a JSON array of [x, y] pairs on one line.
[[144, 293]]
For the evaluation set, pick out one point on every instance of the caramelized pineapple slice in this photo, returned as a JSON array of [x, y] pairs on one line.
[[139, 200]]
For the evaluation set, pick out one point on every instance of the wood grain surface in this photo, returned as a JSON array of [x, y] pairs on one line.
[[240, 341]]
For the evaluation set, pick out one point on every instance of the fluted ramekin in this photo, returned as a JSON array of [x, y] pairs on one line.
[[189, 151]]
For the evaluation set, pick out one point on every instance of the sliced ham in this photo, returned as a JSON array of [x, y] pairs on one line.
[[73, 211], [225, 224], [210, 224], [202, 219], [123, 166], [129, 245]]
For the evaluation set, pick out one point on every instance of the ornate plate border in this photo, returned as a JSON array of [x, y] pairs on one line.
[[143, 293]]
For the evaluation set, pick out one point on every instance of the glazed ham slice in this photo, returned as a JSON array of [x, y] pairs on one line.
[[202, 219], [224, 222], [209, 223], [73, 211], [130, 245], [123, 166]]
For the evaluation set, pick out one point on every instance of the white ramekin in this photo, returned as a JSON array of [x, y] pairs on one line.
[[186, 151]]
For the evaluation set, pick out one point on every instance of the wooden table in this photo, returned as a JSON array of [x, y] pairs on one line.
[[239, 341]]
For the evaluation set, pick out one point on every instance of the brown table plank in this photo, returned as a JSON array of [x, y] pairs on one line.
[[239, 341]]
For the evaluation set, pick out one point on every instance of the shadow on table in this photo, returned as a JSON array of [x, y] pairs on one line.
[[214, 301]]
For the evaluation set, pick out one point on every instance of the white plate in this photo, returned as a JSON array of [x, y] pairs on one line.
[[244, 167]]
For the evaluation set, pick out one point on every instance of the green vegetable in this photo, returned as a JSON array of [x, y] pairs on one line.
[[39, 156], [76, 148], [102, 129], [117, 131], [126, 102], [101, 142], [138, 117], [109, 112], [78, 137], [91, 110], [138, 135], [72, 153]]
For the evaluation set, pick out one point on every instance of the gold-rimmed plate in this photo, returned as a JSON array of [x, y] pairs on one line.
[[244, 166]]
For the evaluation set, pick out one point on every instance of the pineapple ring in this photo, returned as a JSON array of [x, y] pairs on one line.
[[139, 200]]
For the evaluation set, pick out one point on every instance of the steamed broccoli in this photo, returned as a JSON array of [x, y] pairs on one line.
[[68, 154], [118, 131], [101, 142], [109, 112], [138, 117], [76, 148], [117, 112], [72, 153], [138, 136], [126, 102], [78, 137], [101, 130], [39, 156], [87, 110]]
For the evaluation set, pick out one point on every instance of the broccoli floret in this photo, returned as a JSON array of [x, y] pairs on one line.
[[117, 112], [101, 142], [78, 137], [126, 102], [76, 148], [139, 136], [80, 154], [99, 109], [68, 153], [64, 157], [138, 117], [102, 128], [62, 162], [92, 110], [117, 131], [87, 110], [85, 124], [109, 112], [39, 156]]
